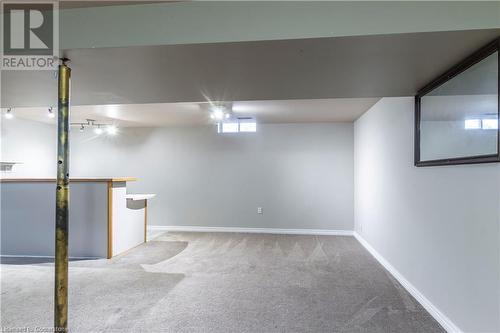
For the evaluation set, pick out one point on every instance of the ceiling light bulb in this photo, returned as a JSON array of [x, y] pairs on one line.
[[51, 113], [8, 114], [98, 130], [112, 130], [218, 113]]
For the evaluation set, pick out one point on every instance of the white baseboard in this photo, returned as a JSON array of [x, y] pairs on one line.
[[253, 230], [440, 317]]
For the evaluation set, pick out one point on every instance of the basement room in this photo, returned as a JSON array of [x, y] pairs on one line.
[[240, 166]]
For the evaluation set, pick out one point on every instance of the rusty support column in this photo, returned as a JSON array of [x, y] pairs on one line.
[[62, 201]]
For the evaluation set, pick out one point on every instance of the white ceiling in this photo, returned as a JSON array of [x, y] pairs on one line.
[[189, 114]]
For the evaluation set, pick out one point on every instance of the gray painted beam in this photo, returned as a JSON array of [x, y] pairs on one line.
[[342, 67], [230, 21]]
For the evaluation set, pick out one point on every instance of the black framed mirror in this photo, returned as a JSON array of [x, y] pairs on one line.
[[457, 114]]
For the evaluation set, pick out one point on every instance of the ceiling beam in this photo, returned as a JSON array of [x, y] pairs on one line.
[[340, 67], [232, 21]]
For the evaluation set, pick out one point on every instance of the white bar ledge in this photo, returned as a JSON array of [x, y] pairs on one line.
[[140, 196]]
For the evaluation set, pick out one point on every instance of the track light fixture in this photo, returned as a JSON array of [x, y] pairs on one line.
[[51, 113], [9, 114], [99, 128], [219, 113], [111, 130]]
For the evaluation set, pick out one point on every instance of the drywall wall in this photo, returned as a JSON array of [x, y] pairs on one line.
[[31, 143], [300, 174], [438, 226]]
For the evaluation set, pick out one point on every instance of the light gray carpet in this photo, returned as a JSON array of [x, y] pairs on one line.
[[214, 282]]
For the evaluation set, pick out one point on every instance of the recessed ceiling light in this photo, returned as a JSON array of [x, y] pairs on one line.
[[218, 113], [112, 130]]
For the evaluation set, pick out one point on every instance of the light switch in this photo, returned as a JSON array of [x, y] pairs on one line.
[[259, 210]]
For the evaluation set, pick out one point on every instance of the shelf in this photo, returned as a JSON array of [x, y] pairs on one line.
[[7, 166], [140, 196]]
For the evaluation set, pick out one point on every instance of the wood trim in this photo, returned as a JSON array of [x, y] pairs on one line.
[[78, 180], [110, 219], [145, 220], [127, 251], [124, 179]]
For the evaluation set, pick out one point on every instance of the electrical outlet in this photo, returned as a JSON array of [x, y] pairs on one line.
[[259, 210]]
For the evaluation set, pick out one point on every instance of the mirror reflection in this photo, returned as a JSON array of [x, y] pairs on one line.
[[460, 118]]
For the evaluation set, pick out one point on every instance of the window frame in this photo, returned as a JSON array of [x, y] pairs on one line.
[[457, 69]]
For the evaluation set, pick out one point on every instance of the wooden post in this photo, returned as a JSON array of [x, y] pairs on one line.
[[62, 202]]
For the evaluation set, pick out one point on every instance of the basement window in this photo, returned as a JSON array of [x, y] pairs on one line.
[[248, 126], [471, 124], [485, 124], [230, 128], [490, 124], [238, 125]]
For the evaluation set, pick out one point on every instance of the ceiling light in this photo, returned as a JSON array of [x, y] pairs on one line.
[[8, 114], [218, 113], [51, 113], [112, 130], [98, 130]]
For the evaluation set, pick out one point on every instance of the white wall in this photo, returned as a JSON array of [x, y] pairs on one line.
[[301, 174], [32, 143], [438, 226]]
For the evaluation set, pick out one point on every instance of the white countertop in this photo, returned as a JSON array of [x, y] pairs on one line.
[[87, 179], [140, 196]]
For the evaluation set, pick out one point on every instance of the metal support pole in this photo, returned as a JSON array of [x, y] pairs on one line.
[[62, 202]]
